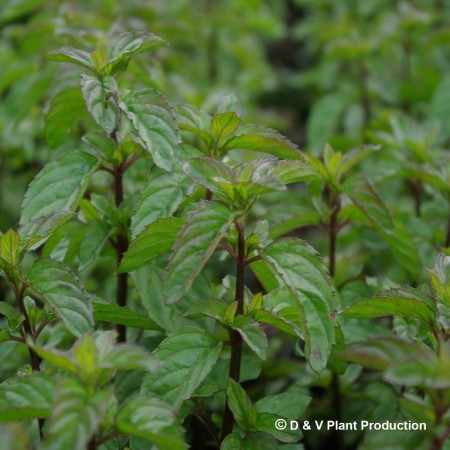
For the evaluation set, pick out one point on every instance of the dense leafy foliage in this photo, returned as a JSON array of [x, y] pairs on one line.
[[176, 273]]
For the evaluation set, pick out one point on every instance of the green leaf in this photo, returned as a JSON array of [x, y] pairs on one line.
[[354, 157], [265, 275], [101, 100], [406, 302], [223, 126], [65, 110], [252, 334], [76, 416], [122, 46], [60, 289], [234, 442], [153, 420], [187, 356], [153, 119], [303, 273], [297, 221], [427, 371], [103, 145], [324, 119], [94, 238], [58, 186], [295, 171], [289, 405], [156, 239], [120, 315], [382, 352], [10, 247], [194, 120], [128, 357], [265, 140], [196, 242], [35, 232], [95, 357], [266, 422], [243, 410], [212, 307], [13, 316], [161, 197], [369, 202], [72, 55], [27, 397], [213, 175]]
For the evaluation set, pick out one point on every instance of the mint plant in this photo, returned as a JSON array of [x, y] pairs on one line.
[[180, 274]]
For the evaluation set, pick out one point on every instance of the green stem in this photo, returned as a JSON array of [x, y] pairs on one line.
[[235, 337]]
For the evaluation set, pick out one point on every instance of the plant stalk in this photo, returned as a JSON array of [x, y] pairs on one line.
[[235, 337], [122, 246]]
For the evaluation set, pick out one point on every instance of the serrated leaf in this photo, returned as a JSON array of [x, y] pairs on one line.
[[202, 232], [194, 120], [101, 100], [252, 334], [94, 238], [154, 121], [187, 356], [60, 289], [295, 171], [161, 197], [264, 140], [122, 46], [405, 302], [156, 239], [243, 410], [58, 186], [213, 175], [72, 55], [303, 273], [26, 397], [153, 420], [35, 232], [76, 416], [65, 110], [120, 315], [223, 126]]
